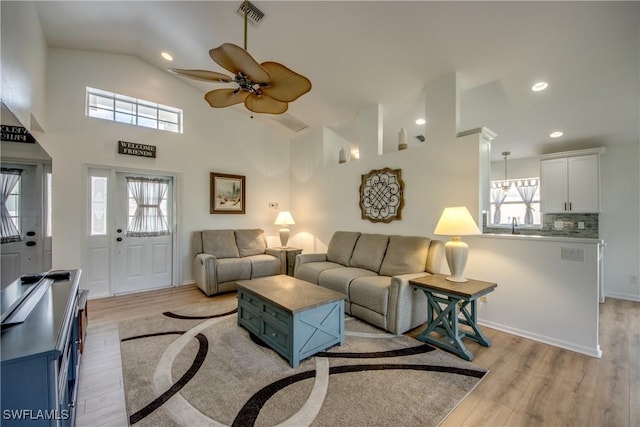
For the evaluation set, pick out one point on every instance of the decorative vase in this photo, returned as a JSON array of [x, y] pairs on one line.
[[402, 139]]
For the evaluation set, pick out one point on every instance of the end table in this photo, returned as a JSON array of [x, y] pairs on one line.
[[446, 301], [290, 258]]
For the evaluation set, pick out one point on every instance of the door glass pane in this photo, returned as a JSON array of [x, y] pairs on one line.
[[98, 206]]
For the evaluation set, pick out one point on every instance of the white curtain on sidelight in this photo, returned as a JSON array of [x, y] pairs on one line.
[[148, 220], [8, 180]]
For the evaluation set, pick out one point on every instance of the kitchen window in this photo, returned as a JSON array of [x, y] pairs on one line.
[[515, 198]]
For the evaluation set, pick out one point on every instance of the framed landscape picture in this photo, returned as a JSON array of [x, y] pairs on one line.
[[227, 193]]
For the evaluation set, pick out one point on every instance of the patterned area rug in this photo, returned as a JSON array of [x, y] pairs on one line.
[[196, 367]]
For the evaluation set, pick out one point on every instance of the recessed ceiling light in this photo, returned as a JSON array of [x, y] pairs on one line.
[[556, 134], [539, 86], [421, 121], [167, 56]]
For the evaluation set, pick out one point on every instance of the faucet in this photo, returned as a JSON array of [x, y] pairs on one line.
[[514, 226]]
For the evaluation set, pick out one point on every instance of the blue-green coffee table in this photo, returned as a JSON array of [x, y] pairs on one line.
[[446, 302], [295, 318]]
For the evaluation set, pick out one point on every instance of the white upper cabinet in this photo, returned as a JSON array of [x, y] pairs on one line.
[[570, 183]]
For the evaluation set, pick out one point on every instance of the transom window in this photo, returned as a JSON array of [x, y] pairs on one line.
[[125, 109]]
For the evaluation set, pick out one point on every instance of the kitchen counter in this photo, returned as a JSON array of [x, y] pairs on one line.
[[537, 237]]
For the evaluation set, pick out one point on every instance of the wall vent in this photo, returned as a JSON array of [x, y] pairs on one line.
[[254, 14]]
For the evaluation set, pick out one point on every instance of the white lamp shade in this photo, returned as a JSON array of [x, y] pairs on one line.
[[456, 221], [284, 218]]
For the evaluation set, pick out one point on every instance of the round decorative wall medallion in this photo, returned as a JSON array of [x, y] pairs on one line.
[[381, 195]]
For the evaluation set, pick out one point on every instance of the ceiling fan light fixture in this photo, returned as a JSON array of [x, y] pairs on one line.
[[264, 88]]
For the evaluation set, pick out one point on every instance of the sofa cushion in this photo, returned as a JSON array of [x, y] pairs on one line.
[[371, 292], [232, 269], [220, 243], [338, 279], [310, 271], [250, 242], [263, 265], [341, 246], [369, 251], [405, 254]]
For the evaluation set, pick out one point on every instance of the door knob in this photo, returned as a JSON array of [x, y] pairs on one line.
[[119, 239]]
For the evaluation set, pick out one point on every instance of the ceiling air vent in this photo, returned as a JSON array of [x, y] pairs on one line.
[[290, 122], [254, 14]]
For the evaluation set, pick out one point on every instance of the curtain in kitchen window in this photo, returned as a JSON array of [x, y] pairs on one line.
[[527, 190], [148, 194], [497, 198], [8, 180]]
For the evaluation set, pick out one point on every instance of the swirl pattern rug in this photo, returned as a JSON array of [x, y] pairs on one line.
[[197, 367]]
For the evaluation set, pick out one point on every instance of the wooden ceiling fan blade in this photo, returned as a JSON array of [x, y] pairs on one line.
[[237, 60], [265, 104], [286, 85], [208, 76], [221, 98]]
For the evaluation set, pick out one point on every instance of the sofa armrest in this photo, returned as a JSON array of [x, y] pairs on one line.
[[204, 270], [407, 306], [282, 257], [305, 258], [435, 256]]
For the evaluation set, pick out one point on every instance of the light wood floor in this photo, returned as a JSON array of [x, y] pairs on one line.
[[530, 384]]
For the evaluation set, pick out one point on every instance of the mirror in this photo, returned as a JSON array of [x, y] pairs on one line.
[[26, 201]]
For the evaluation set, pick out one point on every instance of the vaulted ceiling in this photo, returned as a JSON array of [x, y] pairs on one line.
[[361, 53]]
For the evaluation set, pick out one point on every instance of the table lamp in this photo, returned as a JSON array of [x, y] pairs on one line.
[[455, 222], [284, 218]]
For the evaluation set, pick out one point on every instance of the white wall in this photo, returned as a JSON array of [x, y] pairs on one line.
[[539, 295], [441, 172], [23, 63], [220, 140], [619, 220]]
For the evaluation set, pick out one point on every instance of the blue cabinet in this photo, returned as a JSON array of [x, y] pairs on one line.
[[41, 357]]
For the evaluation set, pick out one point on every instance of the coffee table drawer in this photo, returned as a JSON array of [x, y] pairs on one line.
[[276, 338], [277, 315], [249, 300], [248, 318]]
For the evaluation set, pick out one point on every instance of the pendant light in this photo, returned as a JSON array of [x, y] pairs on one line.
[[506, 185]]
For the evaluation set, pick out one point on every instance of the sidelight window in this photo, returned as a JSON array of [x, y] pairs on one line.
[[10, 205]]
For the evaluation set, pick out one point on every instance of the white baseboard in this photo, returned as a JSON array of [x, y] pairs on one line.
[[188, 282], [589, 351], [619, 295]]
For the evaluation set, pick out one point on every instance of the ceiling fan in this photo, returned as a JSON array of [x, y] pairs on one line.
[[264, 88]]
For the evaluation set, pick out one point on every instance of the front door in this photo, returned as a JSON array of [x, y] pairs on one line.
[[21, 250], [130, 247], [143, 250]]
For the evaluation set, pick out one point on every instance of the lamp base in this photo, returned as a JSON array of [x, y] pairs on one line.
[[456, 252], [284, 237]]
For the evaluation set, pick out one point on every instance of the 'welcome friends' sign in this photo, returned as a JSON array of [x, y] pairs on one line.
[[133, 149]]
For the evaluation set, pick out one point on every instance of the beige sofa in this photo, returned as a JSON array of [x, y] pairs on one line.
[[373, 271], [224, 256]]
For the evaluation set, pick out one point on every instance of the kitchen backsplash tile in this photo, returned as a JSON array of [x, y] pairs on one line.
[[570, 223]]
